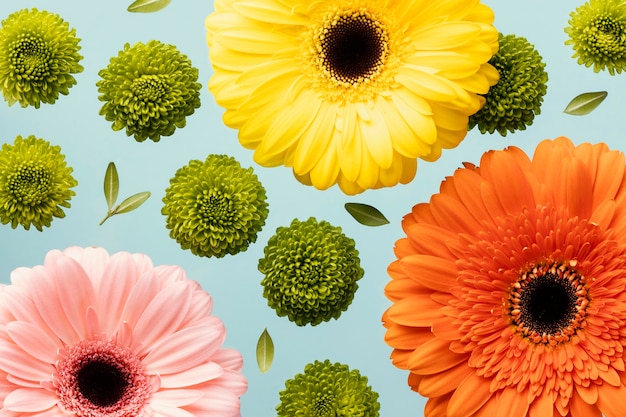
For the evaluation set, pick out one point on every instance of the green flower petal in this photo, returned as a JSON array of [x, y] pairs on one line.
[[39, 56], [514, 101], [311, 271], [149, 90], [215, 207], [597, 32], [328, 390], [35, 183]]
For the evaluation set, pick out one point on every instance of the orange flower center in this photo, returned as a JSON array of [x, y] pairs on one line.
[[548, 303]]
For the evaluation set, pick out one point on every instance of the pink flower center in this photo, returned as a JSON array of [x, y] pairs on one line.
[[98, 378]]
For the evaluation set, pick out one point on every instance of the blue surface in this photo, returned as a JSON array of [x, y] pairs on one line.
[[356, 339]]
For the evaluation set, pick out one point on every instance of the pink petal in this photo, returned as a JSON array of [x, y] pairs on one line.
[[175, 397], [229, 359], [118, 280], [33, 341], [216, 402], [29, 400], [192, 376], [170, 273], [46, 300], [92, 259], [23, 309], [140, 296], [14, 360], [201, 307], [76, 293], [163, 315], [233, 381], [163, 411], [185, 349]]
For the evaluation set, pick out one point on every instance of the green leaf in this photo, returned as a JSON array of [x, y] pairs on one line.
[[111, 185], [148, 6], [132, 202], [365, 214], [585, 103], [265, 351]]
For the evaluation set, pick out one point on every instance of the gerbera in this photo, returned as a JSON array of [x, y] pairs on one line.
[[597, 32], [310, 271], [89, 334], [509, 289], [326, 390], [39, 56], [350, 91], [515, 100], [35, 183], [215, 207], [149, 90]]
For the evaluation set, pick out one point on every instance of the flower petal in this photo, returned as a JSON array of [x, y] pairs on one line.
[[28, 400]]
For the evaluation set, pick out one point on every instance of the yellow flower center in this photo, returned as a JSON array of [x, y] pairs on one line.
[[548, 303], [350, 52], [30, 57]]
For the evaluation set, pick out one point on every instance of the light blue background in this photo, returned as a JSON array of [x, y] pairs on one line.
[[357, 338]]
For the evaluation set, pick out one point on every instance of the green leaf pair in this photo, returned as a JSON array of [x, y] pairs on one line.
[[111, 188]]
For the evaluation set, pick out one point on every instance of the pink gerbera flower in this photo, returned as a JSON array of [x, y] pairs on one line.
[[90, 334]]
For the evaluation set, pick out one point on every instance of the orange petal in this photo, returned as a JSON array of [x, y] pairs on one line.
[[433, 272], [434, 357], [417, 310], [611, 401], [470, 396]]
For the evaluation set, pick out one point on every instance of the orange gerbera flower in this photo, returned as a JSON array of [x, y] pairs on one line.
[[509, 289]]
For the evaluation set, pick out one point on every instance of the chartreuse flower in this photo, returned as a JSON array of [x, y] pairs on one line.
[[311, 271], [328, 390], [515, 100], [149, 90], [215, 207], [39, 54], [35, 183], [597, 32]]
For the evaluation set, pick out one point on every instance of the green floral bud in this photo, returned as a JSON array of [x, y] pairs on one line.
[[149, 90], [311, 271]]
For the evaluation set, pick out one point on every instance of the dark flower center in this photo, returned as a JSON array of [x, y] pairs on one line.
[[29, 184], [353, 47], [102, 383], [30, 57], [548, 303]]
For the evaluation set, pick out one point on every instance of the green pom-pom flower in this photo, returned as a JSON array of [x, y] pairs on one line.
[[328, 390], [38, 55], [311, 271], [514, 101], [215, 207], [597, 32], [149, 89], [35, 183]]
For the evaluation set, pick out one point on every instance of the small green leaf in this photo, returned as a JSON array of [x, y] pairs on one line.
[[132, 202], [585, 103], [111, 185], [365, 214], [265, 351], [148, 6]]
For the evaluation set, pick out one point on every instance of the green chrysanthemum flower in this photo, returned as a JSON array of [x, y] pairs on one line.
[[149, 89], [514, 101], [597, 31], [39, 56], [35, 183], [311, 271], [215, 207], [328, 390]]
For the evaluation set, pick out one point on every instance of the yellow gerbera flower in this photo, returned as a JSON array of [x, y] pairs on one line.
[[350, 91]]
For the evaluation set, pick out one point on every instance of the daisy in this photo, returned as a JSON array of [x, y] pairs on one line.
[[509, 289], [88, 334], [350, 92]]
